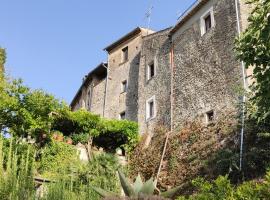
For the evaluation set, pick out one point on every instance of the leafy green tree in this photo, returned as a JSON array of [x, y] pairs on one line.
[[253, 47], [2, 60], [24, 112]]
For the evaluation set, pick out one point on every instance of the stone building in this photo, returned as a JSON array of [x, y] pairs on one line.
[[91, 94], [111, 90], [177, 74], [122, 86]]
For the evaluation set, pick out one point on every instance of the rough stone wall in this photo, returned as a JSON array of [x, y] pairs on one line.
[[92, 95], [155, 48], [206, 73], [98, 95], [77, 104], [116, 101]]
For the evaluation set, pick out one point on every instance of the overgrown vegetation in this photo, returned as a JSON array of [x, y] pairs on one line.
[[253, 48], [137, 190], [187, 151], [35, 141], [17, 172], [36, 114], [221, 188]]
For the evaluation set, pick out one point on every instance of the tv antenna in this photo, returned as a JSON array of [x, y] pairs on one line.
[[148, 16]]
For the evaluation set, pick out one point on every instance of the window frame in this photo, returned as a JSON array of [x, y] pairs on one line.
[[209, 12], [121, 114], [148, 75], [124, 86], [125, 54], [147, 114], [207, 118]]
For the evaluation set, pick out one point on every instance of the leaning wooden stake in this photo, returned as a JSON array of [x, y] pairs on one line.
[[163, 154]]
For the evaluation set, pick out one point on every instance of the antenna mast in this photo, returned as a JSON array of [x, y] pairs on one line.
[[148, 15]]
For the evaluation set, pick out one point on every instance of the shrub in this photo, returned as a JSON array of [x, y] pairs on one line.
[[58, 159], [16, 177], [109, 134], [221, 188]]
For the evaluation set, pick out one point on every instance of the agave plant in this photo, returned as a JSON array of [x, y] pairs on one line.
[[136, 190]]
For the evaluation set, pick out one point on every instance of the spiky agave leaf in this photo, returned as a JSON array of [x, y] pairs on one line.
[[138, 185], [171, 193], [148, 187], [127, 187], [103, 193]]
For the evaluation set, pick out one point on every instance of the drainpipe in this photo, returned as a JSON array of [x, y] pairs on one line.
[[245, 89], [172, 71], [106, 86]]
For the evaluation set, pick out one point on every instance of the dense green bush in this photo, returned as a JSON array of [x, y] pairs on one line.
[[221, 188], [16, 174], [109, 134], [71, 180], [58, 159]]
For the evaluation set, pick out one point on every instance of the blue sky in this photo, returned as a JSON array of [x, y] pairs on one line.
[[52, 44]]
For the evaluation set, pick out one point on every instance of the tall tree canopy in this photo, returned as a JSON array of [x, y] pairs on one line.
[[253, 47], [2, 61]]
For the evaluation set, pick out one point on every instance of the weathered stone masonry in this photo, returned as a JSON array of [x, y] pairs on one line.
[[156, 50], [195, 71], [206, 73]]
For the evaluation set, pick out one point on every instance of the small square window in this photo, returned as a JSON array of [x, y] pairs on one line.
[[210, 116], [150, 108], [125, 54], [124, 86], [89, 98], [207, 21], [122, 115], [151, 71]]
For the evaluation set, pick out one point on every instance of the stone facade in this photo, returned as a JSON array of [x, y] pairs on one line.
[[206, 73], [155, 50], [174, 75], [124, 71], [91, 94]]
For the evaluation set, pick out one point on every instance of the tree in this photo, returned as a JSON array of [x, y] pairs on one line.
[[2, 60], [253, 47], [25, 112]]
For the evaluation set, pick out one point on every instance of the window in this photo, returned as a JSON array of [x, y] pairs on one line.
[[125, 54], [89, 97], [207, 21], [151, 71], [150, 108], [122, 115], [210, 116], [124, 86]]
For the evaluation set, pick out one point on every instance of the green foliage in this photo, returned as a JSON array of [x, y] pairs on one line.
[[256, 155], [16, 174], [58, 159], [16, 181], [115, 133], [100, 171], [25, 112], [253, 47], [221, 188], [2, 62], [109, 134], [2, 56]]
